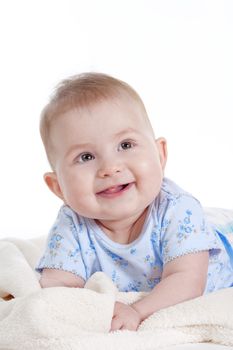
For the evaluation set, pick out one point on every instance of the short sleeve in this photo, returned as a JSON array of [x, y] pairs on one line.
[[184, 230], [63, 250]]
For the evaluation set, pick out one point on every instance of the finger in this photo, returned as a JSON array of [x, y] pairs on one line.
[[129, 327], [116, 308], [116, 324]]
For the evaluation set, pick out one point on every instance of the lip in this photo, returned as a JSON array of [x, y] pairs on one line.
[[117, 190]]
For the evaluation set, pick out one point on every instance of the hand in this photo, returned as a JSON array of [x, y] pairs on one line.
[[125, 317]]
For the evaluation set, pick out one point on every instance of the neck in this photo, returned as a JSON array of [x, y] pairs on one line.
[[126, 230]]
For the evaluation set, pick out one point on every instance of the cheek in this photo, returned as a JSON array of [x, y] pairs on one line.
[[76, 186], [149, 166], [149, 175], [68, 183]]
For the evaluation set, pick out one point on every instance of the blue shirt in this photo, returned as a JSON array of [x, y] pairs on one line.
[[175, 226]]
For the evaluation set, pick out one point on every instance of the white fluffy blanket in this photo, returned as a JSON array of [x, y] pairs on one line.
[[72, 319]]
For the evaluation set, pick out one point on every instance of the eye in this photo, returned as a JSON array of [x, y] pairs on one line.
[[126, 145], [85, 157]]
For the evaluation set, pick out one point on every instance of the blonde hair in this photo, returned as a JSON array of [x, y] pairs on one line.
[[81, 91]]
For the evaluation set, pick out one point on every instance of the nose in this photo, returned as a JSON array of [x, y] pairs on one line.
[[109, 169]]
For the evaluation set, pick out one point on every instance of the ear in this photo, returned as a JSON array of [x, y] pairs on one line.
[[53, 184], [162, 148]]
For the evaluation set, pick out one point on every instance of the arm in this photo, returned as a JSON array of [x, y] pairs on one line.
[[183, 278], [59, 278], [63, 249]]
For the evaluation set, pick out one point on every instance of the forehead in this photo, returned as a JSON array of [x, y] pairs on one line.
[[110, 115]]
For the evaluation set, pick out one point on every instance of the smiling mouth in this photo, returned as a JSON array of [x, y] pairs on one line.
[[115, 190]]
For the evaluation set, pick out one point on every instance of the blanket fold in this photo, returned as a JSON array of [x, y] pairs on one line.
[[72, 318]]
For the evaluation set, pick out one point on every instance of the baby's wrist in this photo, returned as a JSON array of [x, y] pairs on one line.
[[137, 309]]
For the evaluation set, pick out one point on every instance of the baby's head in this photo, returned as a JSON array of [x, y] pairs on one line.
[[81, 92], [99, 141]]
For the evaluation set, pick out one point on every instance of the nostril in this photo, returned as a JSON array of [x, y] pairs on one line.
[[108, 172]]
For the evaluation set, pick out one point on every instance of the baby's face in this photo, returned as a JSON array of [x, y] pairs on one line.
[[107, 162]]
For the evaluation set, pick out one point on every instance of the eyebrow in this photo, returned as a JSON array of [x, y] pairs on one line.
[[89, 145], [126, 131], [78, 146]]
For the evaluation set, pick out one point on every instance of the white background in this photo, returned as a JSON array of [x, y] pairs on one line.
[[177, 54]]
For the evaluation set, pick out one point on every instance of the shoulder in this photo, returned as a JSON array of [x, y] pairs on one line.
[[66, 211], [67, 221], [183, 226], [67, 214], [173, 200], [170, 190], [172, 193]]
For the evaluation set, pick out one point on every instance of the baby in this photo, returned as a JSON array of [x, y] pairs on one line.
[[120, 214]]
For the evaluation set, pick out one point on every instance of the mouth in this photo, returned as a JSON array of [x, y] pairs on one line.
[[115, 191]]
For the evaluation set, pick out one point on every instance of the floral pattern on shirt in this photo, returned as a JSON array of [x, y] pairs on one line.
[[175, 226]]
